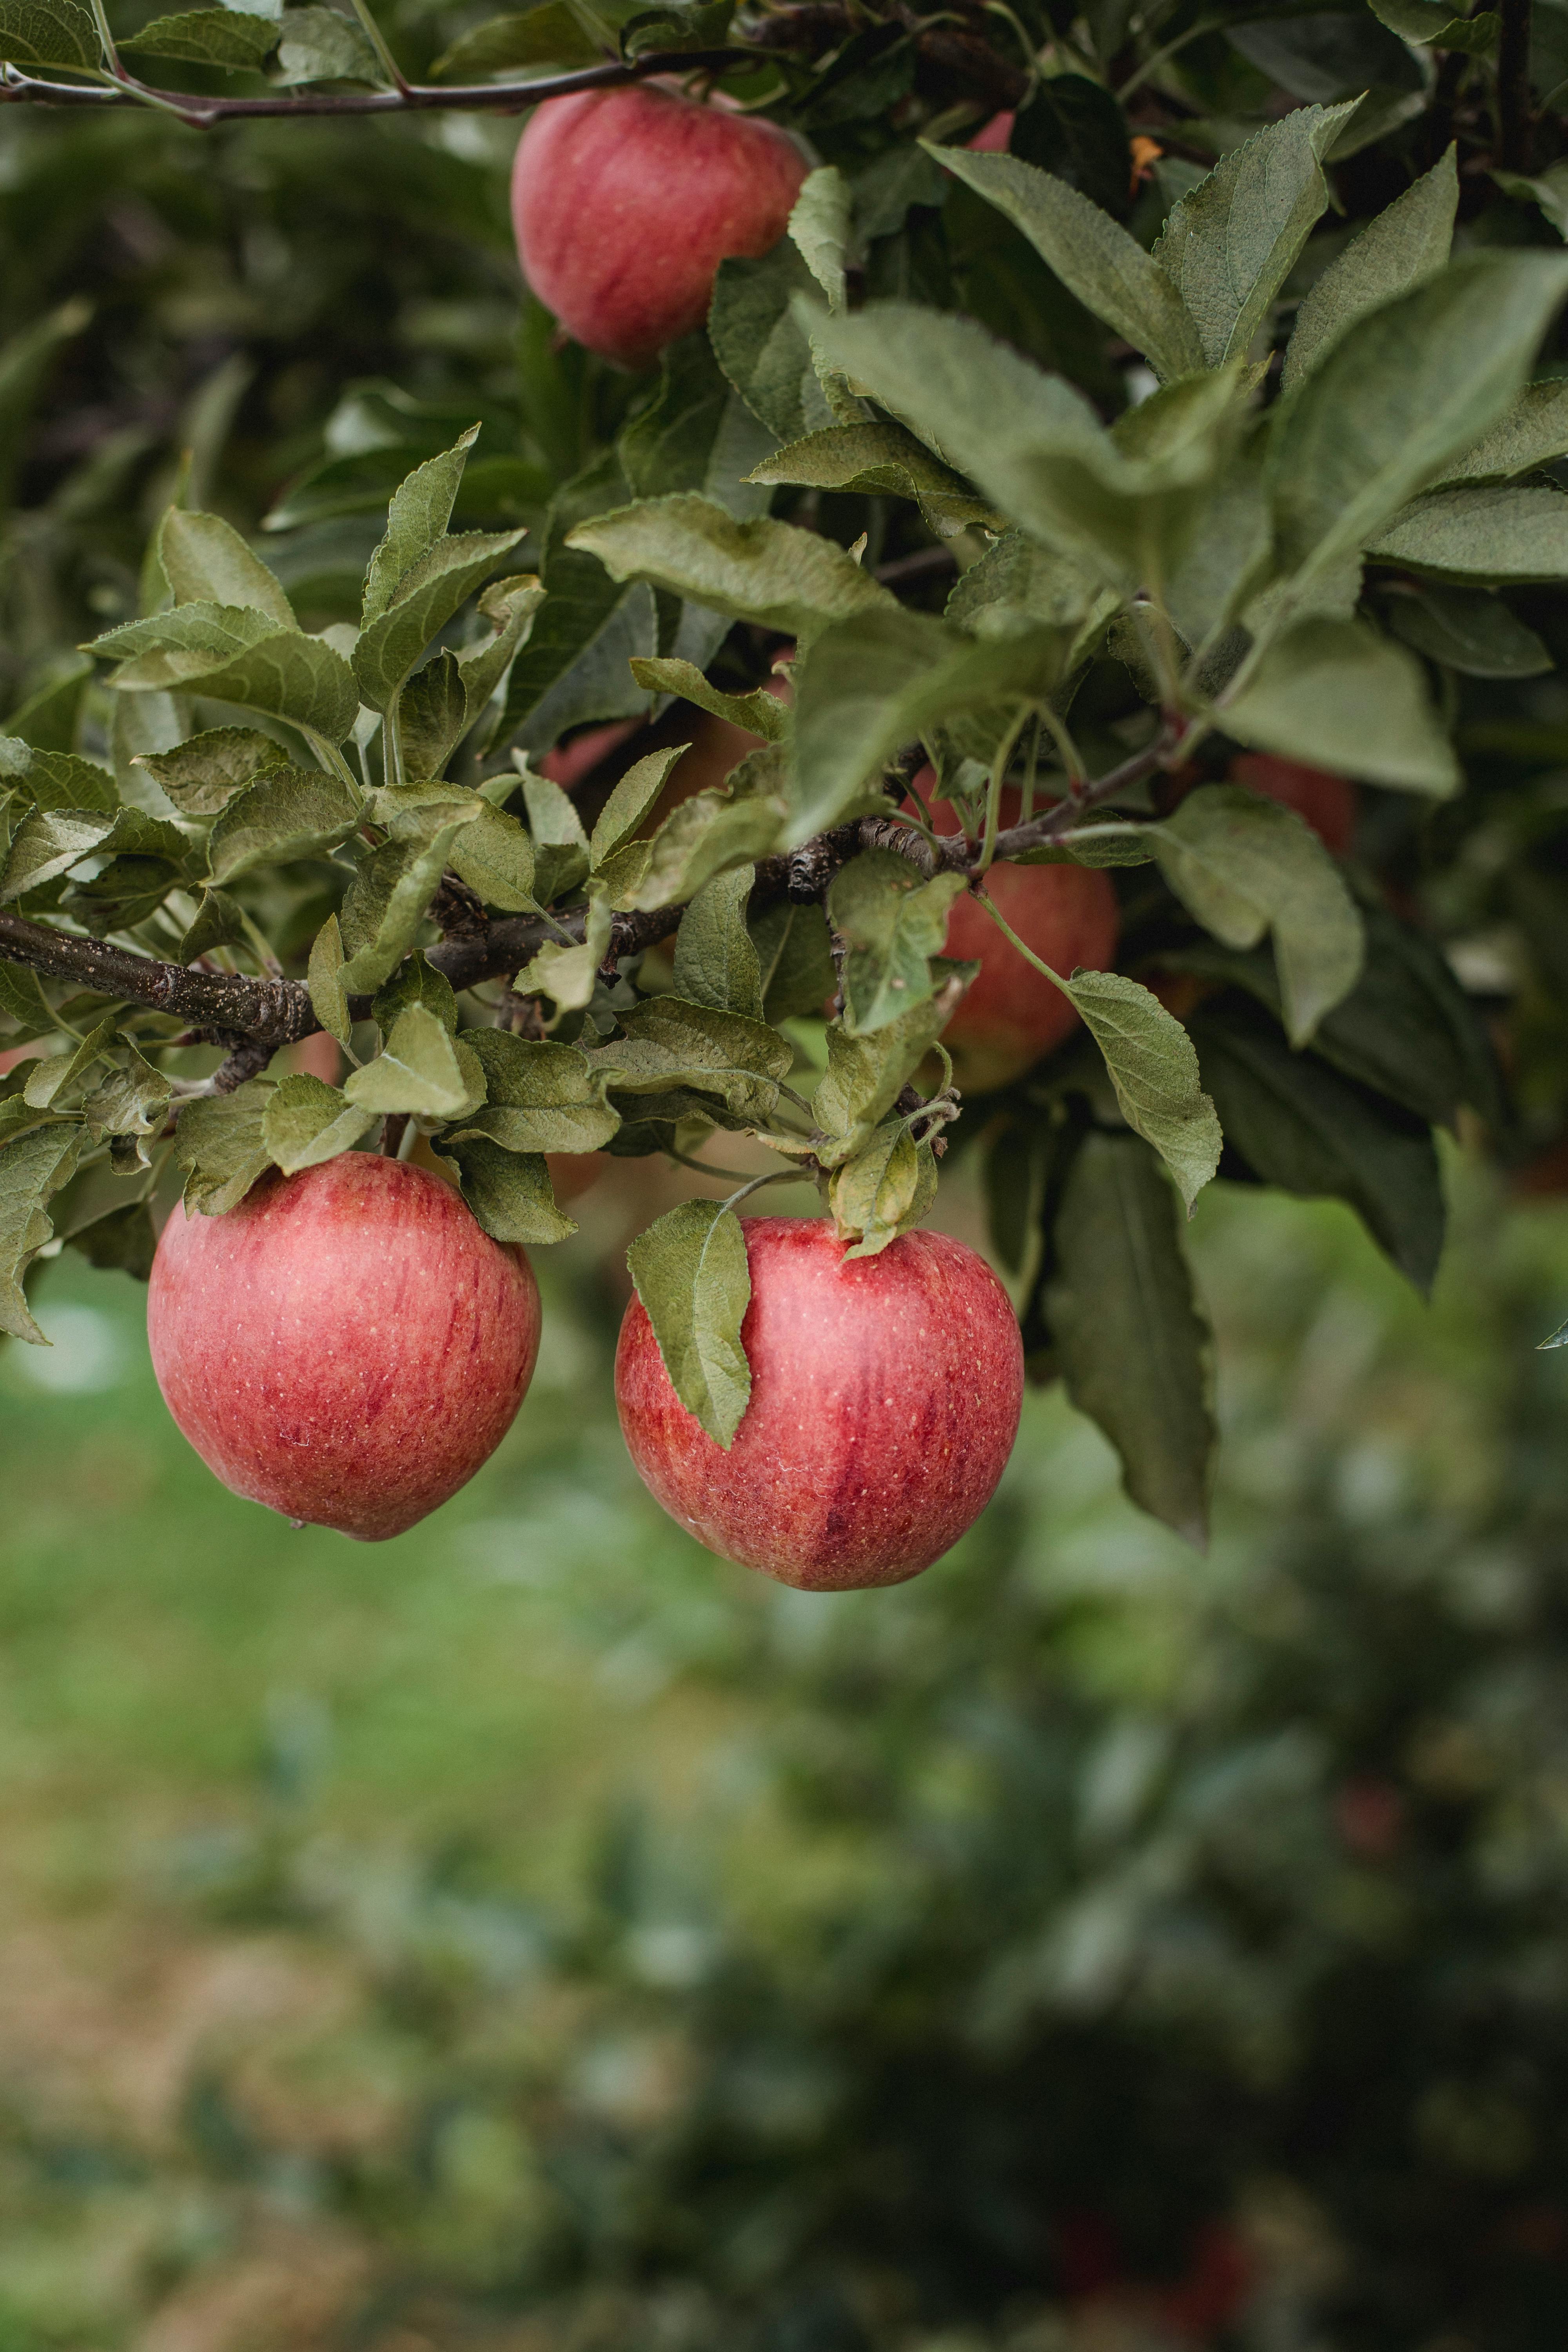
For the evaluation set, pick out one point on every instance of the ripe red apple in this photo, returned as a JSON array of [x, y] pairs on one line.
[[1327, 803], [885, 1400], [1011, 1015], [625, 201], [346, 1346], [992, 138]]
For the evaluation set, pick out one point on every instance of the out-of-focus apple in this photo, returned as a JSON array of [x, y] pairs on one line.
[[1011, 1015], [885, 1400], [991, 137], [625, 201], [1326, 802], [316, 1056], [347, 1346]]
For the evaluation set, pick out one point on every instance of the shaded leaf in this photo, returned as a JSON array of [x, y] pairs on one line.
[[205, 560], [1469, 630], [540, 1097], [1244, 865], [306, 1122], [220, 1146], [702, 837], [759, 570], [893, 923], [426, 596], [669, 1043], [288, 813], [795, 957], [1092, 255], [1133, 1348], [389, 896], [883, 1191], [877, 457], [33, 1168], [715, 961], [509, 1191], [691, 1275], [865, 1076], [1511, 533], [1337, 695], [202, 776], [1402, 247]]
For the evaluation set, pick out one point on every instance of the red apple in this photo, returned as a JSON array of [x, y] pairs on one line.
[[1011, 1015], [885, 1400], [625, 201], [315, 1056], [1327, 803], [991, 137], [346, 1346]]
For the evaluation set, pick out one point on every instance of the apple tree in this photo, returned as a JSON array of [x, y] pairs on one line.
[[1100, 479]]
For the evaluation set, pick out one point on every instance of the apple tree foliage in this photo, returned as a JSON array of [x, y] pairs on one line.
[[1228, 411]]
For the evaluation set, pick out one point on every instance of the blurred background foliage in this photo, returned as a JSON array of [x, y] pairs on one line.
[[534, 1933]]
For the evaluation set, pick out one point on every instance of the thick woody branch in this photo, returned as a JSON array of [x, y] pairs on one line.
[[248, 1014]]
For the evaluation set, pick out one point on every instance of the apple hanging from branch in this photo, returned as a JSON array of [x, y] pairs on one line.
[[885, 1398], [625, 201], [346, 1346]]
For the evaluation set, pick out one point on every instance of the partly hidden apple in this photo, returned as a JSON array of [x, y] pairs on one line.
[[1327, 803], [1011, 1015], [625, 201], [885, 1398], [347, 1346]]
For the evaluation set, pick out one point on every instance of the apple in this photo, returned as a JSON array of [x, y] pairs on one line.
[[1327, 803], [885, 1400], [625, 201], [1011, 1015], [347, 1346], [993, 137]]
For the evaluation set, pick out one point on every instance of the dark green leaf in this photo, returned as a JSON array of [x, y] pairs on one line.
[[287, 812], [49, 33], [209, 36], [221, 1149], [306, 1122], [883, 1191], [892, 924], [1301, 1125], [865, 1076], [1401, 249], [693, 1280], [1133, 1348], [760, 571], [201, 777], [32, 1169], [1337, 695], [540, 1097], [1467, 629], [794, 956], [715, 961], [328, 997], [509, 1191], [550, 34]]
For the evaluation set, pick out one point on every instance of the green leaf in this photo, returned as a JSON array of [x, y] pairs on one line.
[[221, 1149], [428, 596], [1468, 630], [691, 1275], [49, 33], [540, 1097], [131, 1099], [432, 715], [1513, 533], [201, 777], [1300, 1125], [328, 997], [635, 795], [205, 560], [765, 572], [669, 1043], [1533, 432], [491, 851], [559, 845], [1228, 246], [704, 836], [62, 779], [417, 520], [509, 1191], [320, 45], [1337, 695], [306, 1122], [875, 458], [220, 37], [1122, 504], [288, 813], [761, 347], [416, 982], [47, 845], [387, 900], [1092, 255], [1017, 576], [865, 1076], [1427, 20], [550, 34], [821, 226], [122, 1242], [421, 1071], [715, 961], [1154, 1071], [48, 717], [23, 1001], [1244, 865], [695, 434], [510, 606], [1133, 1348], [48, 1082], [883, 1191], [1402, 247], [33, 1168], [877, 681], [892, 924], [795, 956], [1548, 190], [231, 655], [1404, 392], [764, 714]]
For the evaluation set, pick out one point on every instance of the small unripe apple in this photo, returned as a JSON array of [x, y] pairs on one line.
[[1011, 1015], [1326, 802], [885, 1400], [347, 1346], [625, 201]]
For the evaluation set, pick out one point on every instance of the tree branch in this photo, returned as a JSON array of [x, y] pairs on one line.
[[957, 61], [246, 1014]]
